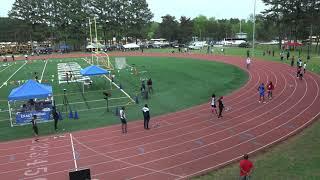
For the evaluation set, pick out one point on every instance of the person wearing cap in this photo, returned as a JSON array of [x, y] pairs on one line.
[[246, 168], [221, 106], [146, 116]]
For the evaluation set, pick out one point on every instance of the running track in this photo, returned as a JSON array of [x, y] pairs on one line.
[[187, 143]]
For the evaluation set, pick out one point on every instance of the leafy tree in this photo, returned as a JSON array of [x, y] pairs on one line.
[[185, 30], [200, 25], [168, 28]]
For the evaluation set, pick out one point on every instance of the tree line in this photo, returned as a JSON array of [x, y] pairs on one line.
[[67, 21]]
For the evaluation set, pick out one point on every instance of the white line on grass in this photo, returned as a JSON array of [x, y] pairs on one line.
[[6, 68], [114, 84], [44, 68], [73, 153], [13, 74]]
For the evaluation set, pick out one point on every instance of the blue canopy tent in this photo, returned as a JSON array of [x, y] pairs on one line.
[[93, 71], [29, 90]]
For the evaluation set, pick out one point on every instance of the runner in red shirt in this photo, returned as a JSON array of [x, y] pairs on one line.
[[270, 88], [246, 168]]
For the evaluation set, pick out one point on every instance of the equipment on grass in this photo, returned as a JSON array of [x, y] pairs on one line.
[[101, 59], [107, 95], [121, 63], [66, 103]]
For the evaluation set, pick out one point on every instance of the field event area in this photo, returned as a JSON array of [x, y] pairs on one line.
[[171, 91]]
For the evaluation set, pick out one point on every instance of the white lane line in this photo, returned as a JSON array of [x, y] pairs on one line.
[[73, 153], [13, 74], [269, 144], [44, 68], [130, 164]]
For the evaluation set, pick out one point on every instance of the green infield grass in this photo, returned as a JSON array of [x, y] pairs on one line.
[[178, 84]]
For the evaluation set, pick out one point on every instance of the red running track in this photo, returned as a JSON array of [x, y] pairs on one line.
[[187, 143]]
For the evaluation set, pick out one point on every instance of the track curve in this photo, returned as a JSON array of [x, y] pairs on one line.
[[188, 143]]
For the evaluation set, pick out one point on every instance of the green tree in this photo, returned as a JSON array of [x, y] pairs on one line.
[[185, 30], [168, 28], [200, 26]]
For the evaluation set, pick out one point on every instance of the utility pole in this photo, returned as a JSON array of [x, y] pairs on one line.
[[254, 27]]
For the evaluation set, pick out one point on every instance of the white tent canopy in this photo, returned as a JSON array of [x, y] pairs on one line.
[[131, 46]]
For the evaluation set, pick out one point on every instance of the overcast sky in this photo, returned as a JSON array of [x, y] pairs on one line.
[[190, 8]]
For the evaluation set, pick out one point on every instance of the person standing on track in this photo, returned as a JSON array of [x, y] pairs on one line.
[[261, 90], [246, 168], [221, 106], [248, 61], [146, 116], [213, 104], [123, 119], [304, 67], [270, 88], [35, 127]]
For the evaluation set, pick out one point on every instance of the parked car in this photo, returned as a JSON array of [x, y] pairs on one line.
[[244, 45]]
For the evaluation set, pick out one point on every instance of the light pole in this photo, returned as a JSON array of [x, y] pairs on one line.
[[254, 27]]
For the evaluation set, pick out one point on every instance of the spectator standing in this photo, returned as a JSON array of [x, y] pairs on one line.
[[149, 84], [213, 104], [246, 168], [221, 106], [123, 119], [146, 116]]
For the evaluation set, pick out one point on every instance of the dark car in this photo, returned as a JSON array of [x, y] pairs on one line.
[[244, 45]]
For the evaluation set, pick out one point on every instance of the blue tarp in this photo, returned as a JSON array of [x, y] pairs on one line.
[[93, 71], [30, 90]]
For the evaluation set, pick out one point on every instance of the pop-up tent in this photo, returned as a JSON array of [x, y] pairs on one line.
[[93, 71], [29, 90]]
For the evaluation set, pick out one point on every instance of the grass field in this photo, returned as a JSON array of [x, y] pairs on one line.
[[178, 84]]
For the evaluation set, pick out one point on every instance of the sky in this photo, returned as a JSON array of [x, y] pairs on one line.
[[190, 8]]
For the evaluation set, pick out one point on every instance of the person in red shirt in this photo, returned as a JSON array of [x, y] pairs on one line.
[[270, 88], [246, 168]]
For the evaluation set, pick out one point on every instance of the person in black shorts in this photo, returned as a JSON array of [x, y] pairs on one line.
[[149, 84], [55, 116], [35, 127], [123, 120], [213, 104], [146, 116], [221, 106]]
